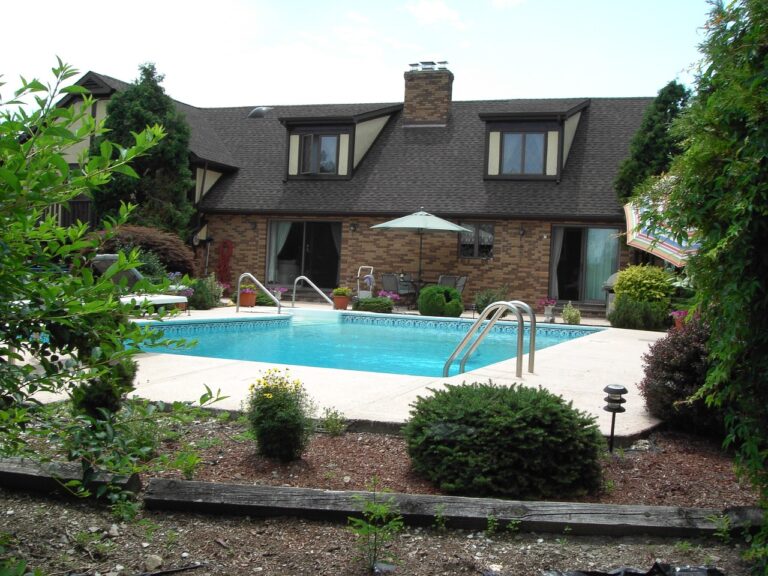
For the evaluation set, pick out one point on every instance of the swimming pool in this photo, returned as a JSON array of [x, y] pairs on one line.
[[389, 343]]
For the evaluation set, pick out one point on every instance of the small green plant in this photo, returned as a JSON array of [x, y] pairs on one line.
[[280, 415], [491, 525], [379, 524], [571, 315], [723, 527], [513, 526], [333, 422], [342, 291], [171, 539], [683, 547], [379, 304], [485, 297], [207, 293], [150, 528], [439, 300], [440, 520], [187, 461]]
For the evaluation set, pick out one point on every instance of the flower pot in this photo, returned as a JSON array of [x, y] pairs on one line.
[[549, 313], [248, 299], [340, 302], [679, 322], [181, 305]]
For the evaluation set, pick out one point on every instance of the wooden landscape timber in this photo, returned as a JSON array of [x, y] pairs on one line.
[[25, 474], [457, 511]]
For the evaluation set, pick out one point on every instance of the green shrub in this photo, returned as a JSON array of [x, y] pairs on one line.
[[675, 368], [439, 300], [262, 299], [516, 442], [638, 315], [207, 293], [378, 304], [489, 296], [175, 255], [644, 284], [571, 315], [280, 415]]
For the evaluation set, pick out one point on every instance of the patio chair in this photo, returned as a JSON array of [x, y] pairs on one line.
[[400, 284], [446, 280], [460, 283]]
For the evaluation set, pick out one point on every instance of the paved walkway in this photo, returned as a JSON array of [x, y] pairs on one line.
[[578, 370]]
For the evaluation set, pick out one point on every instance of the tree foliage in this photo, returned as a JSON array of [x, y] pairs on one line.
[[654, 145], [62, 330], [718, 188], [165, 178]]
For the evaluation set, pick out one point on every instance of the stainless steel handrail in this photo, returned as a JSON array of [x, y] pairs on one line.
[[532, 339], [312, 284], [261, 287], [497, 309], [500, 308]]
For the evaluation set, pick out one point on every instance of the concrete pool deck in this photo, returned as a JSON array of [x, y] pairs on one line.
[[578, 370]]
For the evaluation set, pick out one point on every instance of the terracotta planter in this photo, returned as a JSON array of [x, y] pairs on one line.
[[181, 305], [340, 302], [248, 299], [679, 322]]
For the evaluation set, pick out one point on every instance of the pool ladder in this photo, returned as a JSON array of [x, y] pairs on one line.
[[496, 310], [261, 287], [312, 284]]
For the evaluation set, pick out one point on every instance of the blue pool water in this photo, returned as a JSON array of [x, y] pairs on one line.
[[371, 342]]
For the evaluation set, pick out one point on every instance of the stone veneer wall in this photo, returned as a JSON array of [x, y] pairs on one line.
[[520, 261]]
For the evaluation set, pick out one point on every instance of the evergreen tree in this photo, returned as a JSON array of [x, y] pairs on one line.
[[165, 178], [653, 146]]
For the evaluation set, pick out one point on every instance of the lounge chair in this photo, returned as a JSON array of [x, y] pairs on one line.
[[102, 262]]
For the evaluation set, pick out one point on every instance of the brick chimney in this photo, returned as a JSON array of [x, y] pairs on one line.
[[428, 88]]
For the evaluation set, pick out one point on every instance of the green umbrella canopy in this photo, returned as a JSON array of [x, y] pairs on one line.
[[421, 222]]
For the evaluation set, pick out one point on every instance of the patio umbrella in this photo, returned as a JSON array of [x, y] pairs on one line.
[[658, 242], [421, 222]]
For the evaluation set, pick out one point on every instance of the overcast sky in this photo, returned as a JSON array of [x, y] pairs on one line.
[[255, 52]]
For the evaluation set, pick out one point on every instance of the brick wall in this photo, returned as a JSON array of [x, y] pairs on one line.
[[520, 261], [428, 96]]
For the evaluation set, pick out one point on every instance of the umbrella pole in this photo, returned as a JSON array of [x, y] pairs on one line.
[[421, 242]]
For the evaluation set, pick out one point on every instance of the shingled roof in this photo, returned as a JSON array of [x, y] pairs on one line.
[[440, 169]]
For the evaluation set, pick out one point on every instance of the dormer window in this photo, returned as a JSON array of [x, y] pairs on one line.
[[523, 153], [319, 154]]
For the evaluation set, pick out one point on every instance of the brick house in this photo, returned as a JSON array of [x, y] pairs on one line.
[[284, 191]]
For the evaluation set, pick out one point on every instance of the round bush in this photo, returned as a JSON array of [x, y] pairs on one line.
[[644, 284], [439, 300], [516, 442], [280, 415], [638, 315], [675, 368]]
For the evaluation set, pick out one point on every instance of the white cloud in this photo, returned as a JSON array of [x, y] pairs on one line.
[[435, 12]]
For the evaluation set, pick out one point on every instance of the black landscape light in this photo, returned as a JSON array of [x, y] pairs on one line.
[[614, 405]]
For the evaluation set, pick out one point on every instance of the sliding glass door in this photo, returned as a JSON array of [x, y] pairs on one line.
[[581, 260], [310, 249]]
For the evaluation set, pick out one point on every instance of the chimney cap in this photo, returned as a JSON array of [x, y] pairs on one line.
[[428, 65]]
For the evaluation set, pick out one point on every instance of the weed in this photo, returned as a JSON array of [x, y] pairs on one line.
[[333, 422], [379, 524], [171, 539], [722, 527], [149, 527], [513, 526], [205, 443], [440, 520], [683, 547], [492, 525], [187, 461]]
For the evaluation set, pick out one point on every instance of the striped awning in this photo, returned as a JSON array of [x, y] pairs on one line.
[[659, 242]]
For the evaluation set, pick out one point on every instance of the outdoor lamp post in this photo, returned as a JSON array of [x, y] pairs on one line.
[[614, 405]]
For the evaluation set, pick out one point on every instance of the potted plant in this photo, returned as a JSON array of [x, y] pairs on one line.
[[549, 308], [278, 291], [341, 296], [679, 317], [248, 295]]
